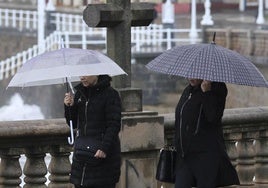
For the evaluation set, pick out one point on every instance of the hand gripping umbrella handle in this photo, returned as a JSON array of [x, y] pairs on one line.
[[71, 139]]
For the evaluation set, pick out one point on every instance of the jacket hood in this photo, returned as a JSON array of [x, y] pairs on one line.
[[104, 81]]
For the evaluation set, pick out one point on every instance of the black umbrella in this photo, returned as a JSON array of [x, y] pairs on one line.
[[208, 62]]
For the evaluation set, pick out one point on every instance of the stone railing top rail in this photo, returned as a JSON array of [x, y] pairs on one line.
[[58, 127], [33, 128], [245, 115], [34, 133], [235, 116]]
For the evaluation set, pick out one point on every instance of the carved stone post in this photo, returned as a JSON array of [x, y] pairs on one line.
[[261, 164], [231, 143], [245, 162], [10, 170], [59, 168], [142, 136], [35, 169]]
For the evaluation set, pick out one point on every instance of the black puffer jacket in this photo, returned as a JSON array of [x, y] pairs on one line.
[[97, 113]]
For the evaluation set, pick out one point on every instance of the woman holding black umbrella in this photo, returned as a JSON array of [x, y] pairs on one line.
[[202, 158]]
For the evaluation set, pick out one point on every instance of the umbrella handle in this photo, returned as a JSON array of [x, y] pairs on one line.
[[71, 139]]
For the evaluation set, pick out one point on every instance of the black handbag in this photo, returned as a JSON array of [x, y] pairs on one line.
[[165, 171], [85, 148]]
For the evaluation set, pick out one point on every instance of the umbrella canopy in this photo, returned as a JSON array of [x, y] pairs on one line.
[[208, 62], [54, 67]]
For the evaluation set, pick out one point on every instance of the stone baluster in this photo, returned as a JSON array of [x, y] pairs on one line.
[[261, 164], [35, 168], [231, 143], [165, 185], [245, 161], [59, 168], [10, 169]]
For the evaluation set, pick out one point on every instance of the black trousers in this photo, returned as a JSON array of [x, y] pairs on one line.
[[198, 170], [99, 186]]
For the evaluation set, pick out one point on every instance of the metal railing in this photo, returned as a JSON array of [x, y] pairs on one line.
[[20, 19]]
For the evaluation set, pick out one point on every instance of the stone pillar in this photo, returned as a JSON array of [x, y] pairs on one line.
[[10, 170], [261, 161], [35, 169], [59, 168], [131, 99], [142, 137]]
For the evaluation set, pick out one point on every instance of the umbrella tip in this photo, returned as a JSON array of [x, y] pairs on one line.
[[213, 40]]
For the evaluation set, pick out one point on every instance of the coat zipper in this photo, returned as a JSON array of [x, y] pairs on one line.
[[182, 154], [85, 128], [198, 120], [84, 96], [83, 175]]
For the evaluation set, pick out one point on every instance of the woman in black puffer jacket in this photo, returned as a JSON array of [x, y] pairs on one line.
[[95, 111]]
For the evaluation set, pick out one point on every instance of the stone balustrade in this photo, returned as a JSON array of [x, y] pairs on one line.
[[246, 136], [251, 43], [142, 135], [34, 139]]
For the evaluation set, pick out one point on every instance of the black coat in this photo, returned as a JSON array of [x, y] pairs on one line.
[[100, 119], [198, 126]]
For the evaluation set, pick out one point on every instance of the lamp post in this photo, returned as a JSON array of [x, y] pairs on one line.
[[41, 25], [242, 5], [168, 20], [193, 32], [260, 18], [207, 19]]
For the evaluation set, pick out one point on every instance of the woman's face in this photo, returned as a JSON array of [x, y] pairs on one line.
[[88, 81], [194, 82]]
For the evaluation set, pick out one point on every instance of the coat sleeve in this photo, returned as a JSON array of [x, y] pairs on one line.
[[113, 120], [214, 102]]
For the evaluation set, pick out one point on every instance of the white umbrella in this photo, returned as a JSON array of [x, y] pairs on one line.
[[61, 66], [54, 67]]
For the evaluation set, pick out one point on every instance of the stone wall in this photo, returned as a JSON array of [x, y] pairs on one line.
[[254, 45], [14, 41]]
